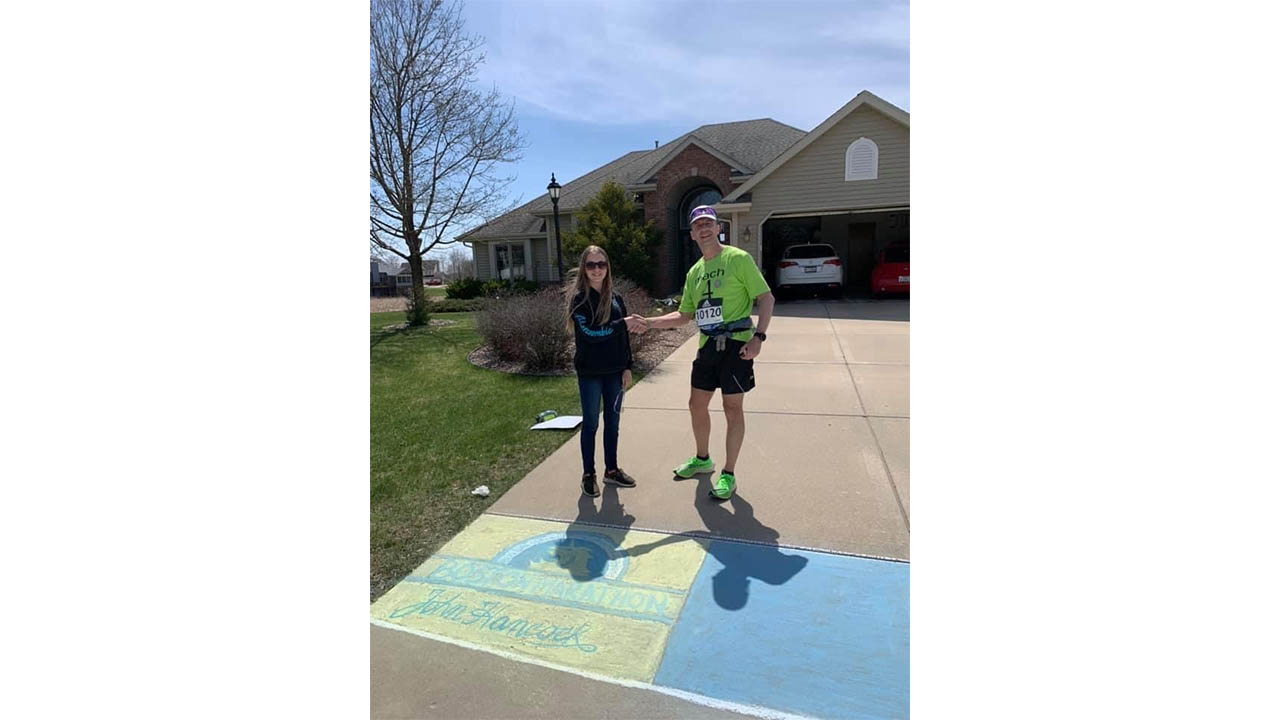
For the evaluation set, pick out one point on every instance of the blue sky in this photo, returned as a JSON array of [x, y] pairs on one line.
[[593, 80]]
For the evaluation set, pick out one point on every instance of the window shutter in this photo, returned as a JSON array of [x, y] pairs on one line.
[[861, 160]]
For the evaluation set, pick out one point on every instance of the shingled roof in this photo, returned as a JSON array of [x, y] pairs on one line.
[[747, 145]]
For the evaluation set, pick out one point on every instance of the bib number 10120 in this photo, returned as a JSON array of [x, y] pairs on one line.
[[710, 313]]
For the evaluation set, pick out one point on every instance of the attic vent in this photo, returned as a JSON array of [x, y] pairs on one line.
[[861, 160]]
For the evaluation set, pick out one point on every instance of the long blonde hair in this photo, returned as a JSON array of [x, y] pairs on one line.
[[576, 282]]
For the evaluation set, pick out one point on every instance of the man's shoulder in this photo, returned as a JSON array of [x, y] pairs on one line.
[[739, 259], [695, 269]]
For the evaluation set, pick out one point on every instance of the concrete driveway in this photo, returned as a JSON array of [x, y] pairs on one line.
[[657, 589], [828, 424]]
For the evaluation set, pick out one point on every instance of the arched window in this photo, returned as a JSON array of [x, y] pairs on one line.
[[706, 195], [861, 160]]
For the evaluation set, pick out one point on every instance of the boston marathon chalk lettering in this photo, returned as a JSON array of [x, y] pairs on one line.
[[488, 617], [639, 602]]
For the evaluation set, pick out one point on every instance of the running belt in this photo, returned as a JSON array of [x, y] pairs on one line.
[[729, 327], [721, 332]]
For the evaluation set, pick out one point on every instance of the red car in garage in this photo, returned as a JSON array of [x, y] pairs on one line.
[[892, 274]]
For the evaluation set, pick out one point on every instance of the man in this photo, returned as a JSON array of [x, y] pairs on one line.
[[718, 293]]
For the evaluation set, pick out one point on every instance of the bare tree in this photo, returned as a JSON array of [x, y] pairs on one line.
[[459, 264], [436, 144], [385, 256]]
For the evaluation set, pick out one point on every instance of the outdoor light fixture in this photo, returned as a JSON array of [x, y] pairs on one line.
[[553, 189]]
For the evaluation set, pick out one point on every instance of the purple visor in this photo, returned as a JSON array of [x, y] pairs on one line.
[[702, 211]]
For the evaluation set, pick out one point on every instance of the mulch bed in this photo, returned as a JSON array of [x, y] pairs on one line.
[[658, 345]]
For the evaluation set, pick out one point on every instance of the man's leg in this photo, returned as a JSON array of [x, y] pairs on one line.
[[699, 402], [735, 428]]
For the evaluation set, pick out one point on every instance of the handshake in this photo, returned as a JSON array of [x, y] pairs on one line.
[[637, 324]]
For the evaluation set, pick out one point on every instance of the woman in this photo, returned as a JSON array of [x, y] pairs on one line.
[[602, 358]]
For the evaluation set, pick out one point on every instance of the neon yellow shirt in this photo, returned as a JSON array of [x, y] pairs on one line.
[[720, 291]]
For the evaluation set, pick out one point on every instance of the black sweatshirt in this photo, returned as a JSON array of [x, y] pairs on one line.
[[600, 349]]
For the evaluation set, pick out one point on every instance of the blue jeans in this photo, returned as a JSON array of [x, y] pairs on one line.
[[590, 390]]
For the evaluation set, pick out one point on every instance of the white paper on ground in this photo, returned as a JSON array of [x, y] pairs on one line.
[[564, 422]]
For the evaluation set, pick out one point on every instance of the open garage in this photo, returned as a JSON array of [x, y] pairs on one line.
[[857, 238]]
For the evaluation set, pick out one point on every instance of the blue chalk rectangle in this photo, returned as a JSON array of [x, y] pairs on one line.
[[811, 633]]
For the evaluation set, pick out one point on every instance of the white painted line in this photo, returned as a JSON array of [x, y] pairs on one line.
[[753, 710]]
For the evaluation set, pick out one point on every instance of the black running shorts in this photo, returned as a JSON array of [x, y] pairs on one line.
[[725, 370]]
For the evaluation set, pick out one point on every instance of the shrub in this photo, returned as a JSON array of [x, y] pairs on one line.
[[448, 306], [528, 329], [464, 289], [635, 296], [505, 288], [417, 308], [638, 302]]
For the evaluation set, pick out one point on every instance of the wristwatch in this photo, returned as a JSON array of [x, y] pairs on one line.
[[760, 335]]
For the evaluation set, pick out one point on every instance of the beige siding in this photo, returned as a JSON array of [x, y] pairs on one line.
[[542, 264], [813, 180], [480, 252], [567, 224]]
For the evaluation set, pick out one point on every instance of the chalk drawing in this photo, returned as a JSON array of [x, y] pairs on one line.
[[568, 595]]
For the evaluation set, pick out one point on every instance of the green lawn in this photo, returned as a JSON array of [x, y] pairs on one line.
[[439, 427]]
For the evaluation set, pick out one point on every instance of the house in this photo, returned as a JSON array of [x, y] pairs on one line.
[[845, 183], [386, 279], [382, 279]]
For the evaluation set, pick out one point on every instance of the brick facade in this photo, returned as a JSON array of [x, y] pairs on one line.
[[691, 168]]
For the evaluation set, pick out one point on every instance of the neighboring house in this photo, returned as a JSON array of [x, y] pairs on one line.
[[386, 279], [382, 279], [846, 183], [404, 278]]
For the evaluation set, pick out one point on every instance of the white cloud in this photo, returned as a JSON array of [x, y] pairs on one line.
[[613, 63]]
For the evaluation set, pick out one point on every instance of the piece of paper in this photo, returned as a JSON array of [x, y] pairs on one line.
[[564, 422]]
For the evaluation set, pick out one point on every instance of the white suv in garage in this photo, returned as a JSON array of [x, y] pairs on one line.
[[812, 265]]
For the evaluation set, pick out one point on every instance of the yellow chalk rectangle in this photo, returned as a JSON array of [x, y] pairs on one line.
[[600, 599]]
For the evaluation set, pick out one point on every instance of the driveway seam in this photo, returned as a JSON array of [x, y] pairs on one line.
[[823, 362], [880, 450], [774, 412], [701, 536]]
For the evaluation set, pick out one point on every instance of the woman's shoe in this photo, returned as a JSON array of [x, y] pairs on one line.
[[619, 478], [589, 486]]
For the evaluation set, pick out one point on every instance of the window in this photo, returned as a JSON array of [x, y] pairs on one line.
[[706, 195], [861, 160], [510, 263], [809, 252]]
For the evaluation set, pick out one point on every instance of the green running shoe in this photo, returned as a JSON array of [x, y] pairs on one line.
[[693, 466], [723, 489]]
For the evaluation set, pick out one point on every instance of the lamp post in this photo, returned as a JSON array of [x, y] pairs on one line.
[[553, 189]]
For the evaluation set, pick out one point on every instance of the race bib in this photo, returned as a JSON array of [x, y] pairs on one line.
[[709, 313]]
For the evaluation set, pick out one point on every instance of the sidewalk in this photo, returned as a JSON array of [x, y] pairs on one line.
[[789, 600]]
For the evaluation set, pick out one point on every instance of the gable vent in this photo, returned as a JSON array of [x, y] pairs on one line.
[[861, 160]]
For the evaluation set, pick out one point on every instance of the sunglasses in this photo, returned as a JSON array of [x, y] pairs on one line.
[[593, 265]]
